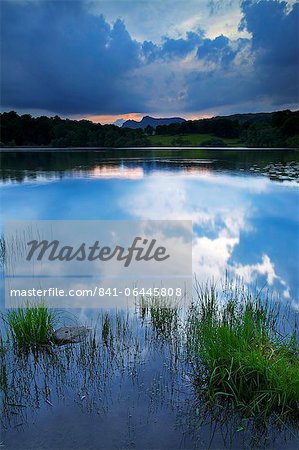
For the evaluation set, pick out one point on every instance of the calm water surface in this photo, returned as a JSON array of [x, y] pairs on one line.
[[244, 205]]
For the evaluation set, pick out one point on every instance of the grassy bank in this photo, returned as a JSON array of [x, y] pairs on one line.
[[31, 326], [189, 140], [241, 354]]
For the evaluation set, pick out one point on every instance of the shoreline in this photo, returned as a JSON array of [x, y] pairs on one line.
[[99, 149]]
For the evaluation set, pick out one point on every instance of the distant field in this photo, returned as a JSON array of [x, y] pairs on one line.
[[188, 139]]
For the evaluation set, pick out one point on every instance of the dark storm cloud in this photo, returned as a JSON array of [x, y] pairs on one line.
[[217, 50], [266, 73], [180, 47], [275, 45], [171, 48], [275, 33], [59, 57]]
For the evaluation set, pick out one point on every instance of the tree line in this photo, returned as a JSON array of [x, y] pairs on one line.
[[277, 129], [26, 130]]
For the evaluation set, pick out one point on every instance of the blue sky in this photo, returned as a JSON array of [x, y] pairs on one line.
[[109, 59]]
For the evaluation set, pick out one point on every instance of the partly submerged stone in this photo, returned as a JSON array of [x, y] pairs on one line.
[[70, 335]]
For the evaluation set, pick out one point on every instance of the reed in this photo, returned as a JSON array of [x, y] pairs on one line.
[[30, 326], [241, 353]]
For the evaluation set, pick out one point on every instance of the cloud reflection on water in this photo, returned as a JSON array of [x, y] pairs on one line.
[[245, 224], [222, 209]]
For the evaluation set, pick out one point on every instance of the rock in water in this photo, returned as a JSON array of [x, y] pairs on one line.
[[70, 335]]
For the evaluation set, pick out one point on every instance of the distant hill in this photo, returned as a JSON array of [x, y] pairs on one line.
[[154, 122], [119, 122]]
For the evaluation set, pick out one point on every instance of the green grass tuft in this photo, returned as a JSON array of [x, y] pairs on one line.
[[243, 355], [30, 326]]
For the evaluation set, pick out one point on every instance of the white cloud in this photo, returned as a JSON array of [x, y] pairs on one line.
[[211, 256], [265, 268], [220, 218]]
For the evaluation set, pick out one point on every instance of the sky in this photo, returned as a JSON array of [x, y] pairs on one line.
[[107, 60]]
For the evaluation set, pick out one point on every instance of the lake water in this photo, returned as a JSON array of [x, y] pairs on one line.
[[244, 205]]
